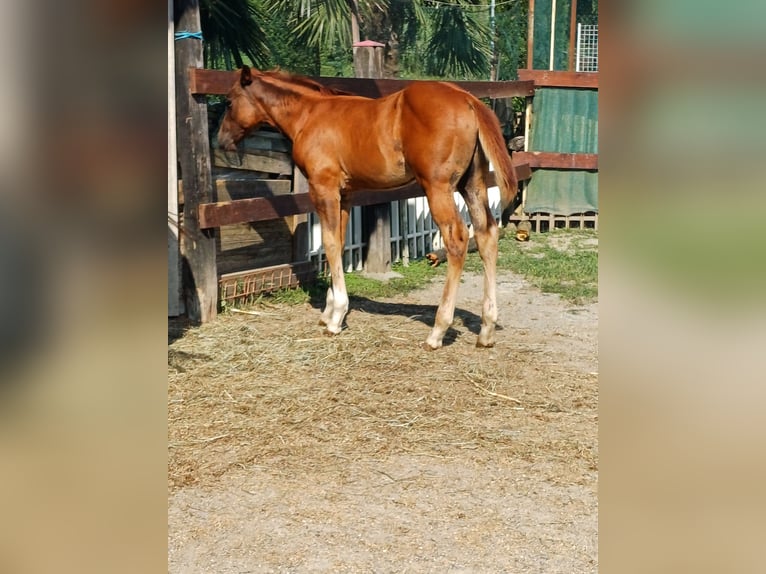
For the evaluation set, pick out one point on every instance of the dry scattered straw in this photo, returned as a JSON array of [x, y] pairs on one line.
[[269, 390]]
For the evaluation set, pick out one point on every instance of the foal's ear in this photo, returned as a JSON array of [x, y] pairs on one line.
[[245, 78]]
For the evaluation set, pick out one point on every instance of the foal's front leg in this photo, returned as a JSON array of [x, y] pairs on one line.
[[333, 218]]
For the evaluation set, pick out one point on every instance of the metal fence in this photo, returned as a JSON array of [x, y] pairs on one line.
[[413, 231], [587, 48]]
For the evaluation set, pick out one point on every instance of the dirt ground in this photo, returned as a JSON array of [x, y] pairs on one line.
[[294, 452]]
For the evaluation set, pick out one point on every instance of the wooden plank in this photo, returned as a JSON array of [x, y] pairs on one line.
[[556, 79], [572, 35], [237, 184], [259, 160], [255, 209], [553, 160], [204, 81], [375, 88], [523, 169], [253, 244], [244, 189], [265, 208], [226, 175], [200, 278], [530, 35], [261, 140], [375, 196]]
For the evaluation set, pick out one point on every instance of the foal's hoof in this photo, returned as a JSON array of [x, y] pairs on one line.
[[425, 345], [330, 333], [484, 344]]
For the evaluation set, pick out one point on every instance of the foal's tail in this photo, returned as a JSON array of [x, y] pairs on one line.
[[493, 145]]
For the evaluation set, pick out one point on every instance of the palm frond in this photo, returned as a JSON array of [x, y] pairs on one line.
[[232, 29], [459, 44]]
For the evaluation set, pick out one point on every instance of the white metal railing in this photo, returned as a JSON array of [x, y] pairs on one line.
[[413, 231], [587, 48]]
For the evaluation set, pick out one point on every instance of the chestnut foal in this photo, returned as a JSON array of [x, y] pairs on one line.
[[432, 132]]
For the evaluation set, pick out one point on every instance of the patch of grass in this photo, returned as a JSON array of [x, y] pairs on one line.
[[561, 261], [418, 274]]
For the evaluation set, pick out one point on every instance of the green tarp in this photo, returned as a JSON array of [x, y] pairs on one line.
[[564, 120]]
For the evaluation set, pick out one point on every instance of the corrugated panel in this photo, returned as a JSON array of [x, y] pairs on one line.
[[562, 192], [565, 120]]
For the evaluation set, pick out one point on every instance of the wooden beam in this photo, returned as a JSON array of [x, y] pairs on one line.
[[255, 209], [204, 81], [265, 161], [266, 208], [213, 215], [240, 184], [232, 186], [375, 196], [375, 88], [572, 34], [553, 160], [376, 218], [555, 79], [531, 35], [523, 170]]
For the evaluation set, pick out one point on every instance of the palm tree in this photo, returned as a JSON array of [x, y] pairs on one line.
[[323, 22], [459, 43], [438, 38], [232, 29], [454, 35]]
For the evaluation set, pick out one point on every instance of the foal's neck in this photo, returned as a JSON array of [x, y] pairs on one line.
[[288, 103]]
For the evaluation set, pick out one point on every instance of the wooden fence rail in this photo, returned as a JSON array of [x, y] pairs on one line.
[[203, 81], [266, 208]]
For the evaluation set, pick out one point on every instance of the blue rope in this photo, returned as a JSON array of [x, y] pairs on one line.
[[183, 35]]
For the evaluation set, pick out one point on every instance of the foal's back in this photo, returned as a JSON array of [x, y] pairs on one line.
[[427, 130]]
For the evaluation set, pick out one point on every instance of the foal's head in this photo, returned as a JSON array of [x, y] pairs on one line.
[[243, 112]]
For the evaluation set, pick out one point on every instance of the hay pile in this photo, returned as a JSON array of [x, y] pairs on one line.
[[269, 390]]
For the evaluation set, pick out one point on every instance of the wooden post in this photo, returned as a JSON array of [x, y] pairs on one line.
[[368, 63], [572, 34], [531, 36], [200, 280]]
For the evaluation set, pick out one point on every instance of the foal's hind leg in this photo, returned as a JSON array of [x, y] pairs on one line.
[[455, 236], [485, 230]]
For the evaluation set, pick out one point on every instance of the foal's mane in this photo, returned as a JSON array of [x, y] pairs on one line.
[[303, 81]]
